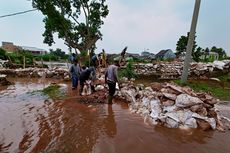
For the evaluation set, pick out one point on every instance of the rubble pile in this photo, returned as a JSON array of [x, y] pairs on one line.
[[173, 70], [174, 106], [94, 98], [55, 72]]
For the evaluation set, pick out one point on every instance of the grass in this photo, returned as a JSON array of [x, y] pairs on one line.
[[225, 77], [215, 89], [53, 92]]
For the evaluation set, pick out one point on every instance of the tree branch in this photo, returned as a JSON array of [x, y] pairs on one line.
[[86, 16], [74, 19]]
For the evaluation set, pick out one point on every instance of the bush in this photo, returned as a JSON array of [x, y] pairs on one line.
[[127, 72], [17, 58], [48, 57], [3, 54]]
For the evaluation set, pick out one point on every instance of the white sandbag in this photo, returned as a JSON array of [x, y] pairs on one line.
[[171, 123], [99, 87], [219, 64], [129, 94], [145, 102], [191, 123], [169, 109], [185, 100], [211, 121], [170, 96], [156, 109]]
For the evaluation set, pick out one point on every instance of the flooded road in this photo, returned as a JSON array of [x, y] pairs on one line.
[[31, 123]]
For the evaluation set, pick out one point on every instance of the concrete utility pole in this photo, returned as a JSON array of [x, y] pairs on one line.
[[191, 38]]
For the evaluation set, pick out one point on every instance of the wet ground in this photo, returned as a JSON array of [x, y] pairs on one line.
[[31, 123]]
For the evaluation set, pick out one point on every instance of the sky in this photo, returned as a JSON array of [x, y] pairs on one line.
[[149, 25]]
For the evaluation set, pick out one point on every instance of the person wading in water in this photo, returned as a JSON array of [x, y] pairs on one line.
[[75, 71], [111, 79]]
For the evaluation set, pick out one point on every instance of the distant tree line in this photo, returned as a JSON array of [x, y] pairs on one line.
[[17, 57], [198, 52]]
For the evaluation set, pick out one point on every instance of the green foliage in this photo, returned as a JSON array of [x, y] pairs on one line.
[[166, 59], [127, 72], [58, 53], [216, 90], [53, 91], [182, 44], [84, 58], [17, 58], [225, 78], [76, 22], [3, 54], [48, 57], [220, 51], [83, 53], [197, 53]]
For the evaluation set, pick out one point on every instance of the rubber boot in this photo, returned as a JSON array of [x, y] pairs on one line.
[[110, 99]]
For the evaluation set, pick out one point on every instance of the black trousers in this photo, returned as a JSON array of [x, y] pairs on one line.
[[112, 88], [82, 81]]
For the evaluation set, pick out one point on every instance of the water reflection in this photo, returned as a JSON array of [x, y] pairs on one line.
[[185, 136], [109, 123], [67, 126]]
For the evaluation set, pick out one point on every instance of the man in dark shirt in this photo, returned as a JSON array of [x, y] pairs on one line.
[[87, 74], [74, 73], [94, 60], [111, 79]]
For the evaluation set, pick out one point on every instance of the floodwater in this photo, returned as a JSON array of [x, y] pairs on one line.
[[31, 123]]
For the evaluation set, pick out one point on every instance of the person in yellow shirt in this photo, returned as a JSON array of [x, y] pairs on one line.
[[104, 58]]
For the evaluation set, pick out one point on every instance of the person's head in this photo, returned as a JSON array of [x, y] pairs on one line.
[[116, 62], [83, 67], [75, 61]]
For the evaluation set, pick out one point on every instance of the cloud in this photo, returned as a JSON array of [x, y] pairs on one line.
[[143, 27], [149, 24]]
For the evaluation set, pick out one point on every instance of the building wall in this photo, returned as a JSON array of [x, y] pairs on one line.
[[10, 47]]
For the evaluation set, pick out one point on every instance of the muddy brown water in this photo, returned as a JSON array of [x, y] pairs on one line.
[[31, 123]]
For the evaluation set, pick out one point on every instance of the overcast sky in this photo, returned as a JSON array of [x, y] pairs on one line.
[[150, 25]]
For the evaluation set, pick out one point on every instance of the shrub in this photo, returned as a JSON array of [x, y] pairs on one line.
[[49, 57], [3, 54], [128, 71]]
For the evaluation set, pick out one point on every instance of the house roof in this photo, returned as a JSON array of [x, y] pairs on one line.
[[162, 52], [32, 49]]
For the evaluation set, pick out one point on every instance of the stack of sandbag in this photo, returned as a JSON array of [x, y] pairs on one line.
[[174, 106]]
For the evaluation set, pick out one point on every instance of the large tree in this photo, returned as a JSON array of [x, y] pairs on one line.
[[182, 44], [58, 52], [77, 22], [197, 53]]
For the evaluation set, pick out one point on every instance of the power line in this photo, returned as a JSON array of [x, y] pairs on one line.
[[13, 14]]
